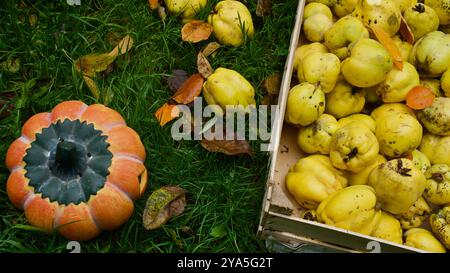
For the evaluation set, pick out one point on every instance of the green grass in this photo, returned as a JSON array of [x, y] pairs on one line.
[[224, 193]]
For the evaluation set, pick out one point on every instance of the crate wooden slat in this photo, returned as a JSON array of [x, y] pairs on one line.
[[280, 216]]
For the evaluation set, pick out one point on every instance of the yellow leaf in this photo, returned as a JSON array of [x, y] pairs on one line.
[[92, 86], [93, 63], [123, 47]]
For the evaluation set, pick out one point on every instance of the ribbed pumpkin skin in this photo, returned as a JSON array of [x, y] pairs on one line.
[[112, 205]]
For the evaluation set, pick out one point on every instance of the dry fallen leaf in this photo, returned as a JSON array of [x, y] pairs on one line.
[[211, 48], [389, 45], [92, 86], [162, 13], [92, 64], [178, 78], [189, 90], [196, 31], [32, 19], [109, 69], [167, 113], [406, 32], [203, 66], [228, 147], [123, 46], [272, 84], [263, 8], [154, 4], [162, 205]]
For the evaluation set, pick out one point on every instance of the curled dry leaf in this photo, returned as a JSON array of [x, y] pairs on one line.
[[189, 90], [167, 113], [406, 32], [272, 84], [211, 48], [177, 79], [196, 31], [389, 45], [228, 147], [263, 8], [162, 205], [203, 66]]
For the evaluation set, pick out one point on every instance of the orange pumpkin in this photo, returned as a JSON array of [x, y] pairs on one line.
[[76, 169]]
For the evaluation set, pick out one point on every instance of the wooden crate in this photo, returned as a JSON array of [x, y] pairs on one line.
[[280, 217]]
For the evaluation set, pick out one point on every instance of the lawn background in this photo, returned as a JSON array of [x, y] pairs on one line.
[[224, 193]]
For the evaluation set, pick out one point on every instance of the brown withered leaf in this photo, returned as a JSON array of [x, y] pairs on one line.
[[167, 113], [196, 31], [272, 84], [189, 90], [109, 69], [177, 79], [211, 48], [228, 147], [162, 205], [406, 32], [263, 8], [203, 65]]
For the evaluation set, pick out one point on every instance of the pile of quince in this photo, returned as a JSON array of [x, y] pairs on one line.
[[373, 111]]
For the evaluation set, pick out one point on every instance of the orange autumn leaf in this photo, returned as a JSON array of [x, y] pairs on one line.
[[196, 31], [406, 32], [189, 90], [420, 97], [167, 113], [154, 4], [389, 45]]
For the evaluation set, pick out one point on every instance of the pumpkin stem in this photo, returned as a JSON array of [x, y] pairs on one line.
[[66, 154]]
